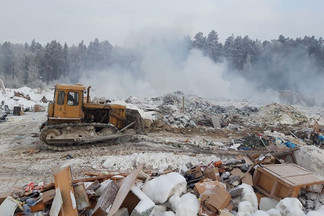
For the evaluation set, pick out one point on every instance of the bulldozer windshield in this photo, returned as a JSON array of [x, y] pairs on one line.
[[73, 99]]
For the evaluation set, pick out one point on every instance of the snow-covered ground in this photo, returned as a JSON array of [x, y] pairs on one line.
[[35, 96]]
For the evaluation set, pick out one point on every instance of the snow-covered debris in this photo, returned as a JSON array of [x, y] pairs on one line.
[[275, 113], [249, 195], [26, 97], [165, 186], [260, 213], [290, 207], [185, 205], [311, 158], [267, 203], [145, 206], [245, 208], [168, 213], [158, 210], [319, 212], [154, 161], [273, 212]]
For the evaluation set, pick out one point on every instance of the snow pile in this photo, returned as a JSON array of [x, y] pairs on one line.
[[186, 205], [26, 97], [311, 158], [273, 212], [290, 207], [145, 206], [249, 195], [319, 212], [154, 161], [245, 208], [165, 186]]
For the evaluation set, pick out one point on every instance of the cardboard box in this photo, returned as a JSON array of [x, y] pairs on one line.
[[247, 179], [237, 172], [207, 187], [196, 171], [220, 199], [212, 173]]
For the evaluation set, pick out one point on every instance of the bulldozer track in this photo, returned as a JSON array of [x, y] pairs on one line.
[[68, 147]]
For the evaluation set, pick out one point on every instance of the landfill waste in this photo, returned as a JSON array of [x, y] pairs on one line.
[[239, 186], [198, 157]]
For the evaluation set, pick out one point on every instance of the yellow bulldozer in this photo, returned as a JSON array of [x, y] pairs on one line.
[[74, 121]]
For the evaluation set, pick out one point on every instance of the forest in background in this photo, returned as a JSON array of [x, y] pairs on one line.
[[279, 64]]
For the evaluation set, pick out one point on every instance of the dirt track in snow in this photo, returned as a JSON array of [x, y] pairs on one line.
[[24, 160]]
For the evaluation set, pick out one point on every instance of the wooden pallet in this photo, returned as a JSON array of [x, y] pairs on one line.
[[278, 181]]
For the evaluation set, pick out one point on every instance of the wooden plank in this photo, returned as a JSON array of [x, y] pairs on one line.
[[63, 180], [94, 186], [48, 196], [125, 187], [91, 179], [284, 170], [38, 207], [81, 197], [106, 200]]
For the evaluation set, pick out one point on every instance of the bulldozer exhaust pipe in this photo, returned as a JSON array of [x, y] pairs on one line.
[[88, 94]]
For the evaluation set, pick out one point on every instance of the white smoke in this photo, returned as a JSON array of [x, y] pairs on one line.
[[165, 66]]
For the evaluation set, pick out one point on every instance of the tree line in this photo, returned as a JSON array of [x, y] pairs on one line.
[[271, 64]]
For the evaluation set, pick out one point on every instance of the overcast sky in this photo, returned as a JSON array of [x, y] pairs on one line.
[[117, 21]]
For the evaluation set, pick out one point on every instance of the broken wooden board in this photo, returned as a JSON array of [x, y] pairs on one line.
[[48, 196], [283, 180], [125, 187], [57, 203], [94, 186], [106, 200], [81, 197], [38, 207], [63, 180]]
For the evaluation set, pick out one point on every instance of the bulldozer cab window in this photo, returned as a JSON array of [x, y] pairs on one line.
[[60, 98], [73, 99]]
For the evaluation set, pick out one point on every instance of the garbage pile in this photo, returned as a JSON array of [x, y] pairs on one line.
[[254, 184], [182, 111]]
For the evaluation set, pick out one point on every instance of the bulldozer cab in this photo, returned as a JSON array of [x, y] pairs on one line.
[[68, 101]]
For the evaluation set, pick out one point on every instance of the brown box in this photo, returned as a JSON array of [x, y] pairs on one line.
[[220, 199], [208, 187], [212, 173], [196, 171], [279, 181]]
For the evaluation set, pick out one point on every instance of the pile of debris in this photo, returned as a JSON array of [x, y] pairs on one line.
[[257, 184], [187, 111], [293, 98], [178, 110]]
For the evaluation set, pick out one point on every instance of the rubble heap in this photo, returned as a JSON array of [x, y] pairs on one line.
[[253, 184]]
